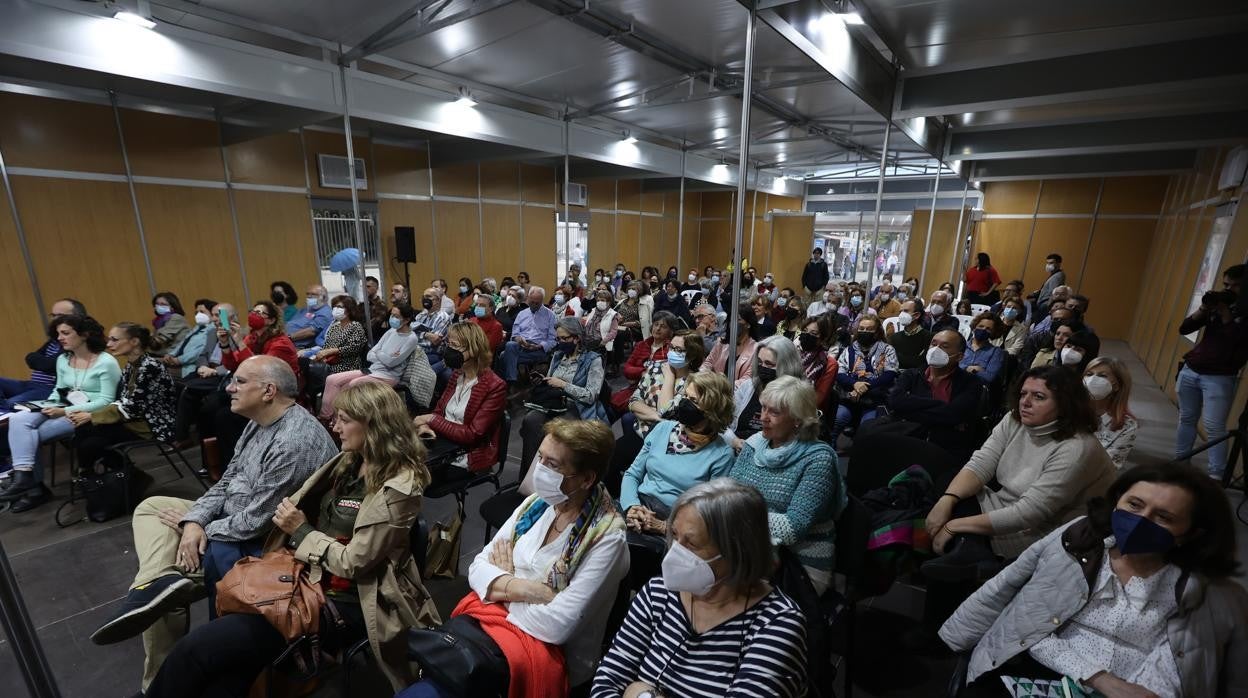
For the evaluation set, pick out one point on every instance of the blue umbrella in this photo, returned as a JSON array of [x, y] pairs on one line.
[[345, 260]]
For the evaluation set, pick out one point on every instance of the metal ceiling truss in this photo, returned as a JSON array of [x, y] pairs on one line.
[[1106, 164], [426, 10], [428, 24]]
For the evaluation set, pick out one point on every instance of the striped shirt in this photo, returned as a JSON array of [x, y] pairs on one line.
[[760, 652], [51, 350]]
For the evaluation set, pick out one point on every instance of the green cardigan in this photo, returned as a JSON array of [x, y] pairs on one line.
[[99, 382]]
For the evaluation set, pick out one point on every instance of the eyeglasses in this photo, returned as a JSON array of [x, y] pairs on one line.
[[261, 312]]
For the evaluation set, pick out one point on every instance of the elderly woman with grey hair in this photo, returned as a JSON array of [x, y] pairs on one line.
[[570, 389], [773, 357], [711, 624], [797, 475]]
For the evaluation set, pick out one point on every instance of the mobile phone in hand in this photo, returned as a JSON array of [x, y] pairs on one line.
[[536, 377]]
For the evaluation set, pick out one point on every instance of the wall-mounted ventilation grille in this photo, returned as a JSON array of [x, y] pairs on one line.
[[335, 175], [576, 194]]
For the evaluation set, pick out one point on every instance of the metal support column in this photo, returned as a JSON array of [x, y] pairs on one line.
[[480, 228], [433, 217], [743, 171], [680, 223], [879, 205], [21, 241], [134, 196], [567, 222], [355, 196], [229, 196], [959, 238], [1096, 213], [927, 245]]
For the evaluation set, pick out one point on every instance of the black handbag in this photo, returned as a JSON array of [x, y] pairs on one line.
[[109, 494], [461, 658]]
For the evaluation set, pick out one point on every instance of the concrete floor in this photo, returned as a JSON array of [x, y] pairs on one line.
[[71, 579]]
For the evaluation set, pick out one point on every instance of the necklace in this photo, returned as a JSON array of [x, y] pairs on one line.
[[80, 374]]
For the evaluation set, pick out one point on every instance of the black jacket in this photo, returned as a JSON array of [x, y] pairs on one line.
[[815, 276], [38, 360], [911, 399]]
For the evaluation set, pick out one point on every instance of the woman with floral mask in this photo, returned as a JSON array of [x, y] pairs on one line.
[[1109, 383], [542, 589], [711, 624], [1138, 598]]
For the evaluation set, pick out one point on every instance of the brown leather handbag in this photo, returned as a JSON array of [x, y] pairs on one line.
[[275, 586]]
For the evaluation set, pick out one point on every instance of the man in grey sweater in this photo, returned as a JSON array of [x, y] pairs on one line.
[[1057, 277], [184, 547]]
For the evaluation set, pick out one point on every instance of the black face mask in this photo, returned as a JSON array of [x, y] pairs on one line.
[[688, 414], [792, 313], [866, 339], [427, 303], [277, 297], [808, 341], [453, 358], [766, 374]]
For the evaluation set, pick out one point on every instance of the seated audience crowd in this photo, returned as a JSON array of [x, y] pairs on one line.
[[680, 558]]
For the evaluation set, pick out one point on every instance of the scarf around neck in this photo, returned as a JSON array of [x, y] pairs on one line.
[[597, 518]]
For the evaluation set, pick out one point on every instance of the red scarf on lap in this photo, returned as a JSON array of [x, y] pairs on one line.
[[537, 668]]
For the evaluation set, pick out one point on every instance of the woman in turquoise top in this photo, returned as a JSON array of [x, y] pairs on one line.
[[86, 381], [797, 474]]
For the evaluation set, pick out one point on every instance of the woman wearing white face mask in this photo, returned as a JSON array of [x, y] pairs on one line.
[[542, 589], [601, 324], [169, 326], [182, 356], [1109, 383], [345, 344], [711, 624]]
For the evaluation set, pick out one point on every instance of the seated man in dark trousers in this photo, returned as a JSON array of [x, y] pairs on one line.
[[181, 544], [942, 398]]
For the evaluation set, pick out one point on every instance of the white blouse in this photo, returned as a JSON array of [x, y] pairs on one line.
[[1121, 630], [577, 617], [455, 409], [1118, 444]]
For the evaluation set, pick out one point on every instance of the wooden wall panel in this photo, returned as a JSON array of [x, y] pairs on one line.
[[628, 195], [276, 231], [690, 247], [757, 237], [275, 159], [329, 143], [1067, 237], [18, 312], [454, 180], [57, 134], [1011, 197], [651, 230], [790, 248], [1069, 196], [940, 255], [1139, 195], [717, 204], [1185, 275], [500, 180], [715, 243], [1116, 244], [181, 224], [603, 250], [85, 244], [669, 249], [601, 193], [539, 246], [458, 240], [162, 145], [1005, 241], [1154, 327], [628, 241], [539, 184], [1185, 240], [502, 240], [396, 212], [400, 170], [651, 201]]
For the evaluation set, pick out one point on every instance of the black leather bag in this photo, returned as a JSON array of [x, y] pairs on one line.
[[461, 658], [112, 493]]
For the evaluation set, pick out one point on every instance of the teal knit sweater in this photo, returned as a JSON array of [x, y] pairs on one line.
[[804, 494]]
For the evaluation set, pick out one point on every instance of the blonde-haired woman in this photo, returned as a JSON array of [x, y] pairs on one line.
[[1109, 383], [797, 474], [351, 523]]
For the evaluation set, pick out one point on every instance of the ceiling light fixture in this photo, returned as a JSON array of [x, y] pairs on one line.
[[135, 19], [850, 17], [629, 138], [465, 98]]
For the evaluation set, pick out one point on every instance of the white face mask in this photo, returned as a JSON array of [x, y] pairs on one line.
[[937, 358], [1070, 357], [883, 297], [937, 309], [683, 570], [202, 319], [632, 293], [1050, 267], [693, 278], [1098, 387], [558, 299], [339, 313], [904, 319], [511, 301], [782, 301], [767, 279], [548, 483], [603, 305]]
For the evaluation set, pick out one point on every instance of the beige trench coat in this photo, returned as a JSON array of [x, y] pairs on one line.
[[378, 558]]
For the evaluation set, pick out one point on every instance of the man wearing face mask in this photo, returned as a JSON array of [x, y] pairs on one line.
[[911, 340], [941, 398], [617, 280], [510, 306], [822, 302], [430, 325], [884, 303], [1057, 277], [307, 328], [815, 274], [532, 336], [940, 313], [1061, 295]]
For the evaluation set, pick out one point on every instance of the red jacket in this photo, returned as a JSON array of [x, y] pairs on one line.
[[493, 331], [279, 346], [484, 415], [636, 364]]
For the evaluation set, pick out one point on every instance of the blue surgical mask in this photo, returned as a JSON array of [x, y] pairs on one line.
[[313, 302], [855, 301], [982, 334], [1136, 535], [715, 279], [395, 323], [676, 359], [479, 311], [163, 309], [1009, 313]]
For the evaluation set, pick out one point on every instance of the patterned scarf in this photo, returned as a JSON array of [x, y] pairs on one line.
[[598, 517]]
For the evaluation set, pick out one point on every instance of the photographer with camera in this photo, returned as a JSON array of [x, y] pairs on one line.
[[1206, 383]]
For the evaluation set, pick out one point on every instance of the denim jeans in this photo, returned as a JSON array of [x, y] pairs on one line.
[[13, 391], [513, 356], [29, 429], [844, 416], [1209, 399]]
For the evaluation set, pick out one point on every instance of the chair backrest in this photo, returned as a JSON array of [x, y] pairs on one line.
[[977, 308], [875, 458], [689, 295], [891, 325], [964, 325], [419, 378]]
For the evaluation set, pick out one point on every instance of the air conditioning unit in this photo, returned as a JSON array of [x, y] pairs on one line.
[[335, 174], [575, 194]]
